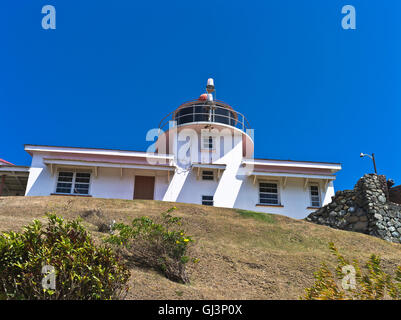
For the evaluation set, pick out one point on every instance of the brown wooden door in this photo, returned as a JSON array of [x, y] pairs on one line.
[[144, 187]]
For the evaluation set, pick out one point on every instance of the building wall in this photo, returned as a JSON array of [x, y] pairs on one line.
[[295, 200], [40, 181], [186, 188], [110, 184], [107, 184], [234, 189]]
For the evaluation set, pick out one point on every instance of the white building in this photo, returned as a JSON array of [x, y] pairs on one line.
[[204, 156]]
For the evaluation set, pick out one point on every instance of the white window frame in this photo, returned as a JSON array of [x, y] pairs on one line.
[[73, 182], [310, 194], [206, 142], [207, 175], [204, 200], [277, 183]]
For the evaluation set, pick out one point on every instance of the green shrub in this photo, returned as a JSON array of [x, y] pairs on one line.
[[162, 246], [82, 270], [370, 283]]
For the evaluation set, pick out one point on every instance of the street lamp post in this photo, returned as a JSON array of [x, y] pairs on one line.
[[371, 157]]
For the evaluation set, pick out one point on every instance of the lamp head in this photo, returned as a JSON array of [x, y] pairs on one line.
[[210, 85], [362, 155]]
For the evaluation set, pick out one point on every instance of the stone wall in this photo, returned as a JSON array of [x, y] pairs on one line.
[[364, 209], [395, 194]]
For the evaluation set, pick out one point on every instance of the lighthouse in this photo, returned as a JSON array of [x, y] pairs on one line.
[[205, 130], [204, 154], [209, 140]]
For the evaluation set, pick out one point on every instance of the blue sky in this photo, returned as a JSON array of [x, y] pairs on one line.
[[112, 69]]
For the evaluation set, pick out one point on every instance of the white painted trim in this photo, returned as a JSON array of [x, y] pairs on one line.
[[291, 175], [284, 182], [306, 183], [215, 125], [279, 191], [294, 164], [106, 165], [32, 148], [209, 166], [73, 182], [319, 189], [326, 183]]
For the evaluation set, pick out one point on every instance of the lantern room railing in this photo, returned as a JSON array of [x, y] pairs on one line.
[[213, 112]]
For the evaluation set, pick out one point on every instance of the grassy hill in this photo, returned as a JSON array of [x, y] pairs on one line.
[[243, 255]]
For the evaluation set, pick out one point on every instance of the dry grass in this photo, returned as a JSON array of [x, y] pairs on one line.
[[242, 255]]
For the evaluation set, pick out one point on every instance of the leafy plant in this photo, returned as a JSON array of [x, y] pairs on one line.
[[163, 245], [370, 283], [82, 270]]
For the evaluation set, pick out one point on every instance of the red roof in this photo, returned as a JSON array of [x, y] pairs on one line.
[[6, 162]]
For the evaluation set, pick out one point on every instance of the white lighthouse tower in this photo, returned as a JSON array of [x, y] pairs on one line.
[[209, 140]]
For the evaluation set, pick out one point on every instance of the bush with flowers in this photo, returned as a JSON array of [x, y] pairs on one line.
[[82, 270], [162, 245], [369, 283]]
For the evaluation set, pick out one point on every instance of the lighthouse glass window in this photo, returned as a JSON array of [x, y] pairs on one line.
[[314, 195], [268, 193]]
